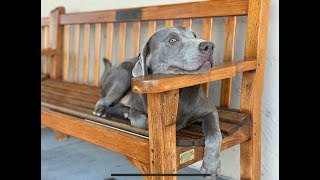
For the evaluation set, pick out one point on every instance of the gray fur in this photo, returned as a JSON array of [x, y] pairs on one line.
[[173, 50]]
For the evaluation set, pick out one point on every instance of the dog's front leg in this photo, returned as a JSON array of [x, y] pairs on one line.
[[211, 159]]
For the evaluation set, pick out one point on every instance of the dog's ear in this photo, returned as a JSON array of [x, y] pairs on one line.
[[141, 67]]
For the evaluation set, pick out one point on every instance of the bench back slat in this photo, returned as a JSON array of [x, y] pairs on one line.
[[230, 30], [207, 28], [187, 23], [109, 40], [66, 52], [76, 52], [45, 46], [86, 46], [151, 28], [136, 38], [122, 41], [97, 47], [168, 23]]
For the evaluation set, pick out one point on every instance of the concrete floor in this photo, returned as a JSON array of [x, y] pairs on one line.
[[75, 159]]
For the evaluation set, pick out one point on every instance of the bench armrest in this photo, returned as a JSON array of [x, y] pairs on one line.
[[157, 83]]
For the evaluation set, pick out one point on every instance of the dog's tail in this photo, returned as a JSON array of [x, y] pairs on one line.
[[107, 66]]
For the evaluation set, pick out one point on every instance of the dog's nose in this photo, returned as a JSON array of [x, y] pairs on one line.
[[206, 47]]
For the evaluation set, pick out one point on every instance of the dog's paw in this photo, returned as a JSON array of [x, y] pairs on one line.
[[213, 169], [100, 109]]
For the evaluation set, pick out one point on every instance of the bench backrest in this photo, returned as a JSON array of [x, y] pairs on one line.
[[84, 38]]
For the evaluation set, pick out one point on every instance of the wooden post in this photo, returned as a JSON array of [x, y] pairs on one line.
[[162, 112], [252, 85], [56, 43]]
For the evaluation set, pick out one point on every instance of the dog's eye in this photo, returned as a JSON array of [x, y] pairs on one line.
[[173, 40]]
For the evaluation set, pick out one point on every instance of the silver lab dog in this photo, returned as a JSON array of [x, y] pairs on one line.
[[174, 50]]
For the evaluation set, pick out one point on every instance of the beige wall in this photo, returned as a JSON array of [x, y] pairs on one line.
[[270, 101]]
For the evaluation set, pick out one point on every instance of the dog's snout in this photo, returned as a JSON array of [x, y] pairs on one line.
[[206, 47]]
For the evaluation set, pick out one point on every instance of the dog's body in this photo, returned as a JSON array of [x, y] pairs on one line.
[[169, 51]]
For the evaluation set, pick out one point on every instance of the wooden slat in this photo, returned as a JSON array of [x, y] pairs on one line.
[[207, 28], [122, 41], [225, 100], [68, 94], [187, 23], [71, 86], [97, 39], [136, 38], [56, 42], [238, 137], [161, 83], [123, 143], [66, 50], [252, 86], [63, 105], [151, 28], [109, 40], [168, 23], [86, 49], [88, 17], [67, 99], [86, 114], [93, 98], [230, 122], [162, 112], [231, 116], [76, 52], [226, 127], [172, 11], [44, 21], [196, 9], [45, 46]]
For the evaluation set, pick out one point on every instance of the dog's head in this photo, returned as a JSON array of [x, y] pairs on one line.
[[174, 50]]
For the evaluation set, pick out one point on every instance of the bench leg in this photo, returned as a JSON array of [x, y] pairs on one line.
[[250, 151], [60, 136], [142, 167], [162, 112]]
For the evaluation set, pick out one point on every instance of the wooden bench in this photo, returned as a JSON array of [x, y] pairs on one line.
[[68, 99]]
